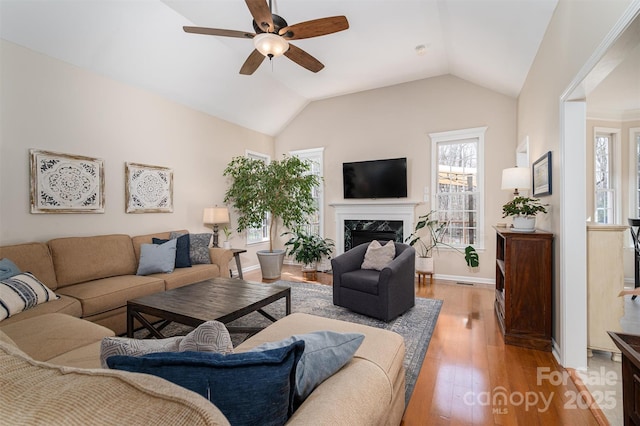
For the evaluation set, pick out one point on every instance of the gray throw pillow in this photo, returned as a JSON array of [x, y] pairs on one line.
[[325, 352], [155, 258], [211, 336], [198, 247], [378, 256]]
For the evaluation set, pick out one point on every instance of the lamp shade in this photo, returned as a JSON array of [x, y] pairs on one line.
[[516, 178], [271, 45], [215, 215]]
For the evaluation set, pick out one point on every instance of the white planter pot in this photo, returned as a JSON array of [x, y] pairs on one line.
[[424, 264], [524, 223], [310, 267], [226, 245], [271, 263]]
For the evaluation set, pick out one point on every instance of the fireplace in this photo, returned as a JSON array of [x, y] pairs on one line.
[[357, 232], [383, 220]]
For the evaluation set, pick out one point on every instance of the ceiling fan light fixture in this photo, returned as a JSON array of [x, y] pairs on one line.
[[270, 45]]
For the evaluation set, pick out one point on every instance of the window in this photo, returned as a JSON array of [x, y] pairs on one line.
[[457, 160], [315, 224], [606, 176], [261, 234], [634, 137]]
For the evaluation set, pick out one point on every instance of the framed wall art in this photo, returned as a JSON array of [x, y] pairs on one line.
[[149, 189], [65, 183], [542, 175]]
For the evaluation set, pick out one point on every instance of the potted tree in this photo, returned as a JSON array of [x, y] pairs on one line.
[[524, 211], [308, 248], [281, 189], [425, 245]]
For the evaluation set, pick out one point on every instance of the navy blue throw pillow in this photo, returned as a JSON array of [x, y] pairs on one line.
[[182, 250], [249, 388]]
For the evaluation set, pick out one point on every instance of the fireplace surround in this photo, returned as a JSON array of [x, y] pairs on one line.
[[385, 216]]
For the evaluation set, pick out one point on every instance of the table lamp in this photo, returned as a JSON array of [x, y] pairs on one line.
[[214, 216], [516, 178]]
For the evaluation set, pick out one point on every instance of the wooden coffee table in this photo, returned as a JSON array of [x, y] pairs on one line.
[[220, 299]]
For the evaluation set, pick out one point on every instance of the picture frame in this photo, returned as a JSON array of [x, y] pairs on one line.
[[65, 183], [541, 172], [148, 189]]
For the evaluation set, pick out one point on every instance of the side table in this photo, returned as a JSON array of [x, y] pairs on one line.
[[236, 254]]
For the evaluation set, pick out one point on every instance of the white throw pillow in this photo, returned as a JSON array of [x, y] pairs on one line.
[[378, 256], [21, 292]]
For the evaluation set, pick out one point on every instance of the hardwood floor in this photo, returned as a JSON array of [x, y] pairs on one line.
[[470, 377]]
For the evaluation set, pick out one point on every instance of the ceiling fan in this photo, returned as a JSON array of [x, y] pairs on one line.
[[272, 36]]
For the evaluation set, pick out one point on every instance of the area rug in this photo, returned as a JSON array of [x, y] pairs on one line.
[[416, 325]]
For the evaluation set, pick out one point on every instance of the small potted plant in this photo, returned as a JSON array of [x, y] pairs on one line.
[[227, 234], [425, 245], [308, 248], [524, 211]]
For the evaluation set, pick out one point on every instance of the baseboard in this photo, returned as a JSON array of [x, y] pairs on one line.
[[464, 279]]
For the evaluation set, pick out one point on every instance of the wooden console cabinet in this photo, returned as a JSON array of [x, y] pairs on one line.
[[523, 287]]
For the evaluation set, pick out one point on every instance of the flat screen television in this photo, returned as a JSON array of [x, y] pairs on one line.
[[375, 179]]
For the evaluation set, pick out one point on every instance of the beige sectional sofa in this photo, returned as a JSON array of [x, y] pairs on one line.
[[50, 355], [95, 276], [70, 388]]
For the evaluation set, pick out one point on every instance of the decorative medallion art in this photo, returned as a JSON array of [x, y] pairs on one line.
[[149, 189], [64, 183]]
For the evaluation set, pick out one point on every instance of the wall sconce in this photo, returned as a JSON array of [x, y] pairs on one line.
[[516, 178], [214, 216]]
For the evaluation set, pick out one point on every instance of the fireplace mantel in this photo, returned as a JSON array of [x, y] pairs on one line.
[[402, 210]]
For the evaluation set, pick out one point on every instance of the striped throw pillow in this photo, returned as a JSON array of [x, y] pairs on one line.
[[22, 292]]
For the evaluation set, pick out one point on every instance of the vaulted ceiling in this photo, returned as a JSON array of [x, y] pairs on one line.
[[141, 42]]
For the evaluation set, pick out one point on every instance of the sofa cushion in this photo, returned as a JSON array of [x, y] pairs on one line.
[[8, 269], [63, 305], [378, 256], [81, 259], [363, 280], [325, 352], [210, 336], [198, 247], [34, 258], [110, 293], [22, 292], [182, 250], [50, 335], [41, 393], [156, 258], [249, 388], [185, 276]]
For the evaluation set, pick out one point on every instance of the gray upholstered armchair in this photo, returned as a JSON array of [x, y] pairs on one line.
[[381, 294]]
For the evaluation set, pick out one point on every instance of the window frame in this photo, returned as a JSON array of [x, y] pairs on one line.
[[634, 175], [265, 223], [315, 155], [615, 172], [449, 137]]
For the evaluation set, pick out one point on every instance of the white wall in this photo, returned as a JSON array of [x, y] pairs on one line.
[[395, 122], [574, 33], [50, 105]]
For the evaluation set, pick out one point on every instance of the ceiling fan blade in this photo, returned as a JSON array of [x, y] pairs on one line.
[[218, 32], [252, 63], [315, 28], [261, 14], [303, 59]]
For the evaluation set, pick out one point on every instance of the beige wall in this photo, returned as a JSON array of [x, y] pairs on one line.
[[395, 122], [50, 105], [574, 33]]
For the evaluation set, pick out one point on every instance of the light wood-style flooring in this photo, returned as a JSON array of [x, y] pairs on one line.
[[470, 377]]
